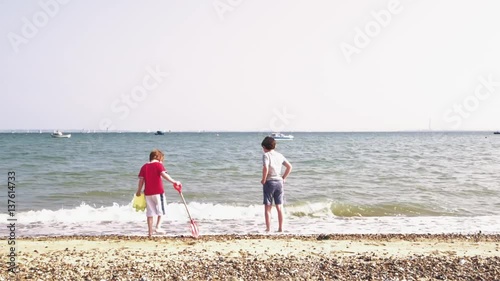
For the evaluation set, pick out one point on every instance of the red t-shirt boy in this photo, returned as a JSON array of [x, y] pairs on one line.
[[150, 178]]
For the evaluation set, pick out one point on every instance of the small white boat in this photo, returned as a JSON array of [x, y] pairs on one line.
[[280, 136], [59, 134]]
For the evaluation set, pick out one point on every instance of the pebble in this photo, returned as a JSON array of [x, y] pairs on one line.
[[90, 264]]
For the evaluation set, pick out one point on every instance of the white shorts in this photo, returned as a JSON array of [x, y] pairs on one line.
[[155, 205]]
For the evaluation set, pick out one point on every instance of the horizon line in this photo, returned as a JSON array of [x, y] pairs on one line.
[[40, 131]]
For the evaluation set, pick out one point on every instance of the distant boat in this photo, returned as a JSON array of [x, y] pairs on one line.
[[159, 133], [496, 133], [280, 136], [59, 134]]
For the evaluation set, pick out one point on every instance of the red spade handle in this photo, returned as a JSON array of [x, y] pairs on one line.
[[178, 187]]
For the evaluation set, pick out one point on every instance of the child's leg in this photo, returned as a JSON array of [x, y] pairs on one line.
[[280, 217], [158, 222], [279, 197], [267, 214], [160, 212], [150, 226]]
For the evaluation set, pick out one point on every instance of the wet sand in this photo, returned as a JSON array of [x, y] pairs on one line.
[[256, 257]]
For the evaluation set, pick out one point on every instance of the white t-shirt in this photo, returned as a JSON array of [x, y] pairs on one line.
[[274, 161]]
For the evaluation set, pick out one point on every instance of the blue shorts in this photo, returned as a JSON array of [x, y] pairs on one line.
[[273, 189]]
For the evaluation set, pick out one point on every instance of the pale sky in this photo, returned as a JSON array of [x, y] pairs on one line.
[[238, 65]]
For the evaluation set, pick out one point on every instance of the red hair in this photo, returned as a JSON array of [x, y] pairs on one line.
[[156, 155]]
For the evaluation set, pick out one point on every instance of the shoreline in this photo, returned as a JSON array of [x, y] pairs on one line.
[[261, 257]]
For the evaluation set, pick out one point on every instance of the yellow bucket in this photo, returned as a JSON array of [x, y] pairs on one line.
[[139, 203]]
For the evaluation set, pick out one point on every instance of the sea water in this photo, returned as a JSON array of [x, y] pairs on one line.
[[405, 182]]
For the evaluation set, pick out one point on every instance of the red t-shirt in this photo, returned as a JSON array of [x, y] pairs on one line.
[[151, 172]]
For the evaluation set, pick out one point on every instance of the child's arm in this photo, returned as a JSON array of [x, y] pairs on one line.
[[139, 186], [168, 178], [288, 169], [265, 170]]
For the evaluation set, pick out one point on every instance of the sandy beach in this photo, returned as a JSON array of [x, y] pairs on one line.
[[257, 257]]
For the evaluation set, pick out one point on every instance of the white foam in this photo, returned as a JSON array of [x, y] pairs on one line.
[[231, 219]]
